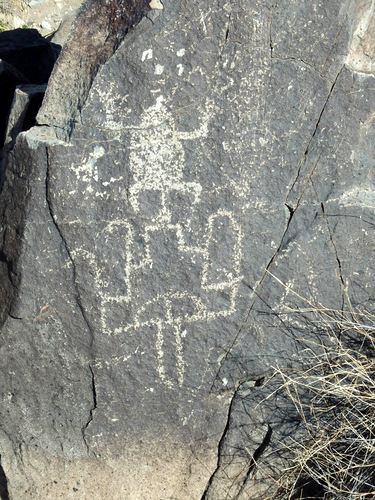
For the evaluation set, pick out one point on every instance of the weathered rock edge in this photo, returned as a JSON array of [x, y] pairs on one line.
[[100, 27]]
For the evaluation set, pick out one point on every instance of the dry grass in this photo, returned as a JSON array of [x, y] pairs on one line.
[[334, 395]]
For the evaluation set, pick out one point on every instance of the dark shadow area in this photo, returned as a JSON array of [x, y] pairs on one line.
[[26, 58], [308, 488], [4, 494], [28, 52], [31, 112], [9, 79]]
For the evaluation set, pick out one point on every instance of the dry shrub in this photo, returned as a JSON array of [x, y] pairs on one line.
[[334, 395]]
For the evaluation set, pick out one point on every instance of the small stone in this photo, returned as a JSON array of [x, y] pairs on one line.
[[156, 4], [17, 22], [36, 3], [46, 25]]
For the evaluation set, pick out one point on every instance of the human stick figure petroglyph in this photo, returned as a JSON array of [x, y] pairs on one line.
[[157, 159], [213, 255], [171, 218]]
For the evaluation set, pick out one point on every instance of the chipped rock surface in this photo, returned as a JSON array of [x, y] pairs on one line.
[[184, 179]]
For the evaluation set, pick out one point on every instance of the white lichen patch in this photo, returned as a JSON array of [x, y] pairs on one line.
[[88, 171]]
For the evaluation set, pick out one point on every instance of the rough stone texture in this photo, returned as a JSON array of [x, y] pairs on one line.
[[263, 425], [12, 13], [25, 58], [221, 145], [99, 28]]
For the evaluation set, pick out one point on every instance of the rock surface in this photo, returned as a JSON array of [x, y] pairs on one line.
[[154, 226], [26, 103]]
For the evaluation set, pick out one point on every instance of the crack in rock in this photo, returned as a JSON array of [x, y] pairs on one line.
[[342, 282], [74, 272], [257, 453], [77, 295], [255, 294], [292, 207], [274, 7], [256, 456], [92, 409], [220, 446], [307, 150]]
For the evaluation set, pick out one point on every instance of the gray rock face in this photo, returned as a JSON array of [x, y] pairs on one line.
[[178, 187], [99, 28]]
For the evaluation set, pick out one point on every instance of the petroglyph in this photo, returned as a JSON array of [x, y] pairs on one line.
[[164, 218], [213, 254]]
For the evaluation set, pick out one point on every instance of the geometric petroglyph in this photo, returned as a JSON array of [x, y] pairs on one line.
[[174, 220], [211, 255]]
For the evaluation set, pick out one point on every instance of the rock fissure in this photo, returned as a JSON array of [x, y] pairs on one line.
[[224, 40], [271, 43], [342, 282], [66, 247], [149, 18], [255, 293], [227, 31], [77, 295], [308, 147], [221, 445], [92, 409], [15, 317], [254, 459], [350, 216], [308, 177], [291, 213]]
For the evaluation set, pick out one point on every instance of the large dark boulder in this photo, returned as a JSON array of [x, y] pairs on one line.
[[185, 182], [26, 58], [29, 53]]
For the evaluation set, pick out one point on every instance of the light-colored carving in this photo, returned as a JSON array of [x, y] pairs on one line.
[[157, 160]]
